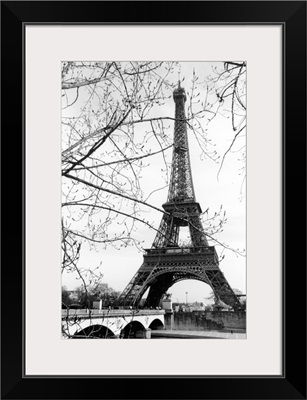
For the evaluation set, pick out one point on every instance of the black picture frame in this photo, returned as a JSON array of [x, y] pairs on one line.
[[292, 16]]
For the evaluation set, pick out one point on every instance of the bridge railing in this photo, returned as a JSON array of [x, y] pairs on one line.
[[96, 313]]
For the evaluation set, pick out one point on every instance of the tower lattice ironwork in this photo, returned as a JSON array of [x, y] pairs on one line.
[[167, 262]]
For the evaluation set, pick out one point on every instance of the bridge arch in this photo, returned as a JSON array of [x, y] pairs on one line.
[[156, 324], [94, 332], [132, 330]]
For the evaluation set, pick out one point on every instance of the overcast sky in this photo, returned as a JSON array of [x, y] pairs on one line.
[[211, 190]]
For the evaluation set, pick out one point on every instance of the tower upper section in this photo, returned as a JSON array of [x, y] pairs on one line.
[[179, 94], [181, 184]]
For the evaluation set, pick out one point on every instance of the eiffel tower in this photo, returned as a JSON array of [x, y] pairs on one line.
[[167, 262]]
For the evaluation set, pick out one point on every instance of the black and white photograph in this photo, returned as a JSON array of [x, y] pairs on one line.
[[153, 224]]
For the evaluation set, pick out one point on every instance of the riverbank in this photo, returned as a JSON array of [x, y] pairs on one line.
[[174, 334]]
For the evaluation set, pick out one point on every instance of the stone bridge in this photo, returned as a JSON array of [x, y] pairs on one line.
[[111, 324]]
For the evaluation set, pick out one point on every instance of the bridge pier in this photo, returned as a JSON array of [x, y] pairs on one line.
[[143, 334]]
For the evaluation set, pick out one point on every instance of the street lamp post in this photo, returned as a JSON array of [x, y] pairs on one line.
[[186, 298]]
